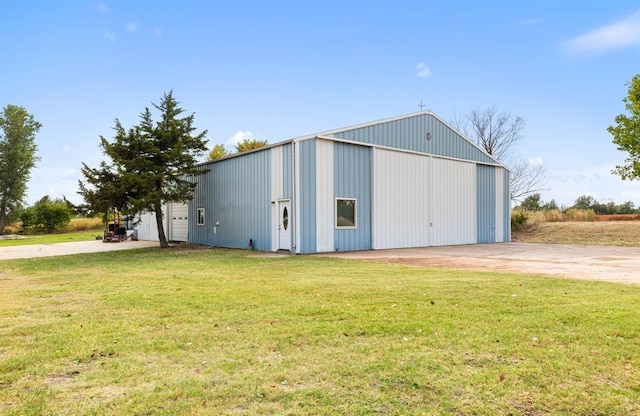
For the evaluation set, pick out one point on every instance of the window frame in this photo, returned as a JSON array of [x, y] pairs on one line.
[[199, 217], [355, 214]]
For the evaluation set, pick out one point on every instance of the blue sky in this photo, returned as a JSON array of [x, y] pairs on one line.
[[281, 69]]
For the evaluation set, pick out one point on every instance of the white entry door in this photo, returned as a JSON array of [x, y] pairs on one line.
[[284, 225]]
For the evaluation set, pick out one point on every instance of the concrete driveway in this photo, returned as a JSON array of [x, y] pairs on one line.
[[611, 264], [62, 249]]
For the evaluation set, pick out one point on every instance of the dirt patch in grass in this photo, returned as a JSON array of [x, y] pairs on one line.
[[605, 233]]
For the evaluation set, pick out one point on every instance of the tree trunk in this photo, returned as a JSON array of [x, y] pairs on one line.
[[3, 215], [161, 236]]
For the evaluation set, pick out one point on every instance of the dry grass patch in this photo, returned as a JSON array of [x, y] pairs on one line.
[[608, 233]]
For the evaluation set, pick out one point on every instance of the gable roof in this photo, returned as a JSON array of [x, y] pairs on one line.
[[423, 132], [447, 141]]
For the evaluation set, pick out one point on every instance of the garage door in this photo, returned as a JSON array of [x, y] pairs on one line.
[[179, 222]]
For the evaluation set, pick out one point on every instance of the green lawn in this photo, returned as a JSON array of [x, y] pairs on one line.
[[53, 238], [166, 332]]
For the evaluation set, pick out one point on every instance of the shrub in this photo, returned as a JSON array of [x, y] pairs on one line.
[[522, 220], [46, 215]]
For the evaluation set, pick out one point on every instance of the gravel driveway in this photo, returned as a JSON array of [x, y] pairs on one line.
[[61, 249], [612, 264]]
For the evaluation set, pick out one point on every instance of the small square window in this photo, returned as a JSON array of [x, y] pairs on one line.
[[200, 216], [345, 213]]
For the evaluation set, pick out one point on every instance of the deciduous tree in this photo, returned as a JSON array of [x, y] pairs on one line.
[[18, 149], [250, 144], [46, 215], [218, 152], [151, 164], [496, 133], [626, 132]]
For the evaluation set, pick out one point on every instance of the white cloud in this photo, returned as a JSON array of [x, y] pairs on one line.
[[158, 33], [566, 183], [239, 137], [131, 27], [109, 36], [102, 8], [617, 35], [423, 70], [535, 161]]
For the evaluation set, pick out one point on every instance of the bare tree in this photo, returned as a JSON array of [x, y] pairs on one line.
[[527, 177], [496, 132]]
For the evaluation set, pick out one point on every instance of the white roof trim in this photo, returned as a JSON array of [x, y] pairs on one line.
[[413, 152]]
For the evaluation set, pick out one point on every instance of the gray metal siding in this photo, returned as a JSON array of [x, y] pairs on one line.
[[410, 134], [486, 186], [352, 179], [507, 205], [307, 214], [236, 198], [202, 198]]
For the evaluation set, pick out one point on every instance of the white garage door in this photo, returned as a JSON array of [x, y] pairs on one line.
[[179, 222]]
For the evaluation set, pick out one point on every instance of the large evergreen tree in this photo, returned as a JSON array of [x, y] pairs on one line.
[[151, 164], [18, 149], [626, 132]]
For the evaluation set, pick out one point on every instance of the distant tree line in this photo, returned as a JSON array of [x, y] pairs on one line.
[[585, 202]]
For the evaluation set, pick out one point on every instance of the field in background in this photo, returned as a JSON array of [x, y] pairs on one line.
[[575, 226], [205, 331], [603, 233], [79, 229], [75, 225]]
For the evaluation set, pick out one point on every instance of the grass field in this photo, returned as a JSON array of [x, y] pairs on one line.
[[78, 229], [611, 233], [53, 238], [166, 332]]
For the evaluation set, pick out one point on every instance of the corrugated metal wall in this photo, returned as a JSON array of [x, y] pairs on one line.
[[325, 220], [236, 196], [411, 134], [277, 191], [506, 203], [287, 171], [203, 197], [352, 179], [401, 199], [499, 210], [453, 193], [486, 182], [307, 196]]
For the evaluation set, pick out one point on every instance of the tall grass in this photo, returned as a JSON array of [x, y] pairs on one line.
[[75, 225], [83, 224], [523, 220]]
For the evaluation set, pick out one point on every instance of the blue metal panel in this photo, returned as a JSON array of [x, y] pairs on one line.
[[486, 206], [507, 205], [352, 179], [236, 198], [307, 163], [202, 198], [411, 134]]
